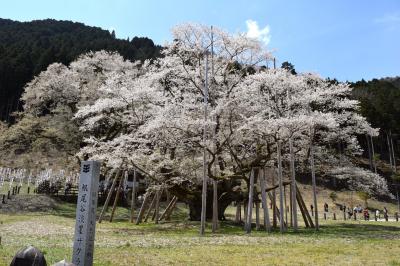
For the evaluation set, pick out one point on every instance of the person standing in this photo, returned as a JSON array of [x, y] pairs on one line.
[[385, 214]]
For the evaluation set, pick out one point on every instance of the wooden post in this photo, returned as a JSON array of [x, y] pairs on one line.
[[280, 176], [205, 169], [238, 216], [267, 224], [314, 183], [257, 215], [143, 208], [291, 207], [293, 186], [168, 215], [303, 214], [274, 216], [116, 198], [157, 208], [103, 211], [254, 172], [133, 200], [277, 210], [168, 207], [245, 213], [300, 201], [334, 216], [215, 206], [151, 207], [285, 203]]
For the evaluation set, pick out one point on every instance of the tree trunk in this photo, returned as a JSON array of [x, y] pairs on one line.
[[373, 153], [371, 167], [389, 151], [393, 154]]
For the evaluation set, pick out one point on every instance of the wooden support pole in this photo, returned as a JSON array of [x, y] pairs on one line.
[[277, 210], [157, 207], [303, 214], [257, 215], [293, 186], [167, 208], [133, 200], [285, 202], [153, 202], [280, 177], [143, 208], [245, 213], [274, 208], [215, 206], [267, 224], [168, 215], [103, 211], [314, 184], [301, 201], [254, 171], [238, 216], [290, 207], [116, 198]]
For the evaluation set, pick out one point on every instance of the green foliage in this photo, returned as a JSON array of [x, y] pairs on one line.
[[289, 67], [379, 102], [396, 177], [27, 48]]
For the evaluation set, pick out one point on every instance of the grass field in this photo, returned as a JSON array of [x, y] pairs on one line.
[[178, 243]]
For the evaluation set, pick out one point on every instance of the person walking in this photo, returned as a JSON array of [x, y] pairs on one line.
[[366, 214]]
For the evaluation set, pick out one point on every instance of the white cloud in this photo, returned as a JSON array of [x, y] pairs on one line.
[[254, 31], [389, 18]]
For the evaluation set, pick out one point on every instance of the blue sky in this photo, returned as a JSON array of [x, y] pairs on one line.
[[343, 39]]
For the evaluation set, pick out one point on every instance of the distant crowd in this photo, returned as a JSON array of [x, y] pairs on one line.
[[352, 212]]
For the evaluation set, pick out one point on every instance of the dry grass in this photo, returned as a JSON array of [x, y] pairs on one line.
[[178, 242]]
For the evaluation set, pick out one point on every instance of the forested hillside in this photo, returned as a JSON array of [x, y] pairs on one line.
[[380, 104], [27, 48]]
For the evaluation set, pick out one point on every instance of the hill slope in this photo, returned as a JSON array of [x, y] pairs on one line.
[[27, 48]]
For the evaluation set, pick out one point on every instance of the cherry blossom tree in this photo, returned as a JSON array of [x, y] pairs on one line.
[[151, 116]]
